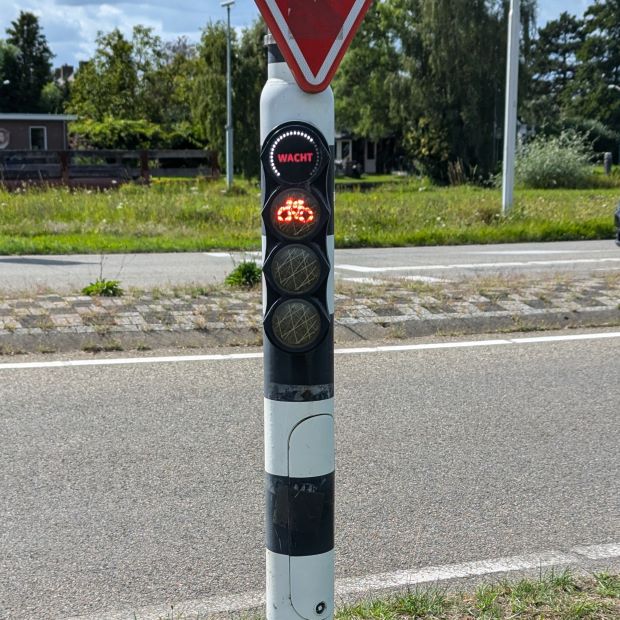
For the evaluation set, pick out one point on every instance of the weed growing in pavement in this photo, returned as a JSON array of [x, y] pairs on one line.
[[103, 288], [247, 274]]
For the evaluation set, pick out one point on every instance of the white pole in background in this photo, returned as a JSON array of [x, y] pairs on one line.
[[512, 96], [229, 121]]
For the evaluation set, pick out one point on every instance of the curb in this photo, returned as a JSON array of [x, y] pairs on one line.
[[381, 329], [225, 318]]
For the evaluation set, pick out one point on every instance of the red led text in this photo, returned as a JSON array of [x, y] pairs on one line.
[[297, 158]]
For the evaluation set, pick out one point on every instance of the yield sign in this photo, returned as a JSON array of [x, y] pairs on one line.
[[313, 35]]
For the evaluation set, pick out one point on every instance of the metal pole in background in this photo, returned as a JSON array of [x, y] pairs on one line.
[[229, 120], [512, 96]]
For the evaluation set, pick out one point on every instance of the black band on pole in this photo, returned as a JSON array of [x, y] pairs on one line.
[[274, 54], [300, 514]]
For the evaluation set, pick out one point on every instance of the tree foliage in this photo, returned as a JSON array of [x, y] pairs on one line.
[[26, 62], [431, 73]]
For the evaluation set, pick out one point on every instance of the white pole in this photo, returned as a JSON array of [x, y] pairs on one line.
[[512, 96], [229, 121]]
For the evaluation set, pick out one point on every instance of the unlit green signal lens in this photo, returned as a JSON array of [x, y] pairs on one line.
[[296, 323]]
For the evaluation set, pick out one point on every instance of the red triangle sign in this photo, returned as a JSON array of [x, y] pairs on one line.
[[313, 35]]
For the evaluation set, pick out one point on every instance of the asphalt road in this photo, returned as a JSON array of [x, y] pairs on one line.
[[142, 484], [70, 273]]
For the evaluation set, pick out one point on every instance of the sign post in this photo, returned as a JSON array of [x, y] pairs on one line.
[[297, 190]]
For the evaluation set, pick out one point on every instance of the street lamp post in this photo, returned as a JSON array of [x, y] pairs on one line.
[[512, 88], [229, 121]]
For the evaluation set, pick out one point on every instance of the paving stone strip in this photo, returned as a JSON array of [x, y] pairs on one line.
[[48, 323]]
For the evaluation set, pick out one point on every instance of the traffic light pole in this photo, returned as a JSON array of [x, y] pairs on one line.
[[297, 144]]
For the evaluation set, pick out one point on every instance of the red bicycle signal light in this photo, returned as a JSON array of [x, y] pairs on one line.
[[295, 210], [295, 214]]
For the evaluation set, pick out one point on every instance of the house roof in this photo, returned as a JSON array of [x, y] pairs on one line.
[[37, 117]]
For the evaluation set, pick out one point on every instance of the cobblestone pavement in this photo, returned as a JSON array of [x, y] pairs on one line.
[[387, 310]]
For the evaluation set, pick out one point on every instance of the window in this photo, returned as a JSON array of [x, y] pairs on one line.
[[370, 150], [345, 149], [38, 138]]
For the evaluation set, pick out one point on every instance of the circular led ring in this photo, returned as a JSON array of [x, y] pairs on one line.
[[311, 154]]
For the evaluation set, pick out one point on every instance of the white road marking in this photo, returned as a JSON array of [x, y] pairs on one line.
[[370, 584], [372, 281], [532, 263], [599, 552], [175, 359], [524, 252], [230, 254], [376, 282]]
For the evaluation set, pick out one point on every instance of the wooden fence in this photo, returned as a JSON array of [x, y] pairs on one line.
[[101, 168]]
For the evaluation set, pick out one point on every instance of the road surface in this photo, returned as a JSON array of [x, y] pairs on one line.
[[71, 273], [130, 485]]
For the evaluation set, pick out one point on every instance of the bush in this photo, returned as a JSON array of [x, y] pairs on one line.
[[131, 135], [555, 162], [103, 288], [247, 273]]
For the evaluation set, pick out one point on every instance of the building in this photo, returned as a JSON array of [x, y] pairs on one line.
[[34, 132]]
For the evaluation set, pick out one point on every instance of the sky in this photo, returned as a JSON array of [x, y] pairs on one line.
[[72, 25]]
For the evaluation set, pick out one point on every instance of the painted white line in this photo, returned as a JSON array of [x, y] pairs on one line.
[[375, 281], [372, 281], [430, 279], [526, 252], [433, 574], [370, 584], [233, 255], [599, 552], [175, 359], [122, 361], [533, 263]]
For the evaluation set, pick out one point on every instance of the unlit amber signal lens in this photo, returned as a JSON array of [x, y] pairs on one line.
[[296, 269]]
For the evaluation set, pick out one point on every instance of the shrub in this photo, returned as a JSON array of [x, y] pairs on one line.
[[554, 162], [247, 273], [103, 288], [124, 134]]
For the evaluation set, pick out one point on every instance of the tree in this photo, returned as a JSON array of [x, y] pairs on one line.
[[363, 85], [452, 79], [107, 85], [208, 94], [250, 73], [431, 73], [8, 68], [593, 92], [553, 67], [29, 70]]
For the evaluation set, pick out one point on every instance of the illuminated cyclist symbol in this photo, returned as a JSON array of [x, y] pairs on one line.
[[295, 210], [295, 214]]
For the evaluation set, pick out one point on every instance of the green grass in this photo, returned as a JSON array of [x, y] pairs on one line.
[[198, 216], [554, 596]]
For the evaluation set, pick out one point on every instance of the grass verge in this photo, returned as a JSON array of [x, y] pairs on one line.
[[553, 596], [201, 216]]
